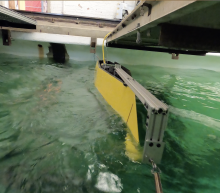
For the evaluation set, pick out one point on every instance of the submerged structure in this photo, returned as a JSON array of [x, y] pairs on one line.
[[119, 89]]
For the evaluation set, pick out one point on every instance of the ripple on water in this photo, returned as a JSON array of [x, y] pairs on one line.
[[57, 134]]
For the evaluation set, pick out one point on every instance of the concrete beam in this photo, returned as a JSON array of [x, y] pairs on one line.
[[71, 29], [54, 38]]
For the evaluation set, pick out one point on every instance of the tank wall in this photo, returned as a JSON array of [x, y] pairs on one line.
[[99, 9], [81, 52]]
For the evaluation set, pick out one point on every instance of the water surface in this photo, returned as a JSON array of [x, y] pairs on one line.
[[57, 134]]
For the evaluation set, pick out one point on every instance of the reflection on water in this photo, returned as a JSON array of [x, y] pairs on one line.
[[57, 134]]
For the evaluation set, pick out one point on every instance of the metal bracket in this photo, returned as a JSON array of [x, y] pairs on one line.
[[157, 116], [142, 11], [138, 40], [138, 25], [149, 6]]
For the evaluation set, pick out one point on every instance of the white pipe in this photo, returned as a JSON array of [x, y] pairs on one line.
[[213, 54]]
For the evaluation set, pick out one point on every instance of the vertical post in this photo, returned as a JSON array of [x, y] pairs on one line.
[[6, 37], [156, 172], [93, 45], [158, 183]]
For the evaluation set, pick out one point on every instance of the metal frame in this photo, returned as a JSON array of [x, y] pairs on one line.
[[16, 15], [144, 28], [157, 49], [157, 117], [161, 12], [10, 18], [69, 25], [67, 18]]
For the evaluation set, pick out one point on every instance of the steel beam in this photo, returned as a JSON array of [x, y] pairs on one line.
[[69, 25], [69, 18], [67, 29], [157, 49], [162, 12]]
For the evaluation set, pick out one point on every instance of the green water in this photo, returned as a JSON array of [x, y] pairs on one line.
[[57, 134]]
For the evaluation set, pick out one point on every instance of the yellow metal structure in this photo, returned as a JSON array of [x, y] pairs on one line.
[[133, 149], [120, 97], [122, 100]]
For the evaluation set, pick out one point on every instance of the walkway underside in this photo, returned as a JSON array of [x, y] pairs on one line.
[[179, 27], [68, 25]]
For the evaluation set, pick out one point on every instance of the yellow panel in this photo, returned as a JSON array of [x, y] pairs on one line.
[[120, 97], [133, 149]]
